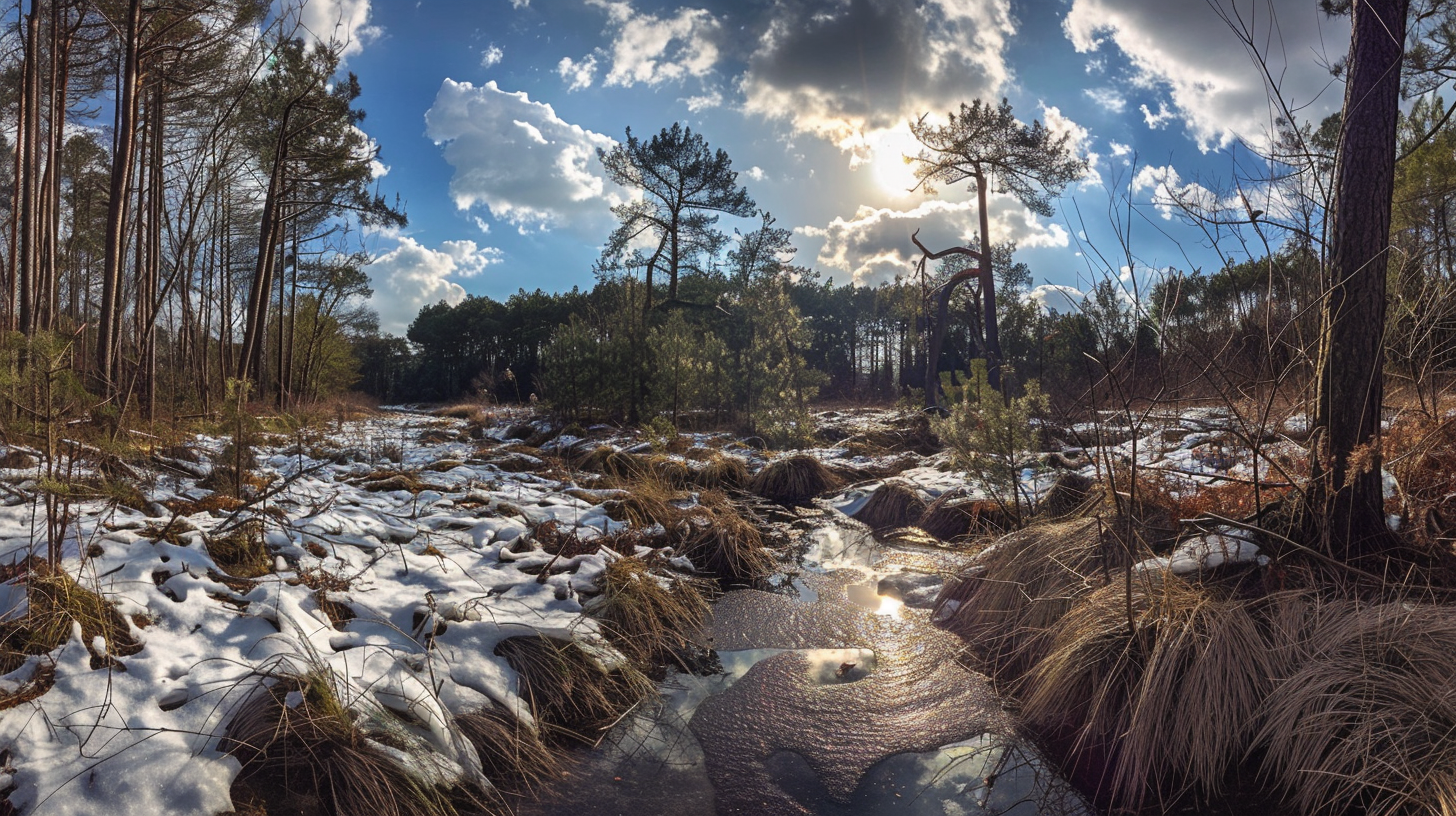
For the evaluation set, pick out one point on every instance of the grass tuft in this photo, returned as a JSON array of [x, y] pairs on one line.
[[722, 471], [794, 480], [512, 755], [725, 544], [572, 695], [1154, 687], [56, 603], [241, 553], [302, 751], [652, 616], [1022, 586], [648, 502], [894, 504], [1366, 722], [672, 472]]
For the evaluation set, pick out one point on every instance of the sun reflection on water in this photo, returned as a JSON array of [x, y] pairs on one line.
[[889, 606]]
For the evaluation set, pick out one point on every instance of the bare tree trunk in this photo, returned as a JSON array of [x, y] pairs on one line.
[[151, 304], [988, 289], [109, 327], [936, 339], [1344, 506], [28, 136], [250, 358]]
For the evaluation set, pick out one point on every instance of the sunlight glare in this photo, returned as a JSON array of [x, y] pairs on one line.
[[890, 147], [890, 606]]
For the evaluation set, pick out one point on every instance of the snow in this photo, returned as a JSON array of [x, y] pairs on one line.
[[142, 737], [436, 581], [1205, 552]]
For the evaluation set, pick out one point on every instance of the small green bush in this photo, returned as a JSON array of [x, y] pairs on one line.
[[989, 434]]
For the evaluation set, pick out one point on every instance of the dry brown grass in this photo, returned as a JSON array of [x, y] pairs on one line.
[[651, 615], [215, 503], [894, 504], [1421, 453], [474, 412], [648, 502], [1069, 494], [722, 471], [571, 695], [726, 544], [1023, 586], [1367, 722], [312, 757], [564, 543], [794, 480], [609, 461], [241, 552], [386, 481], [950, 516], [56, 601], [672, 472], [512, 756], [1155, 688], [32, 689]]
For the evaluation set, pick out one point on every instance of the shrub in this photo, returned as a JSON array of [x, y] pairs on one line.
[[989, 435]]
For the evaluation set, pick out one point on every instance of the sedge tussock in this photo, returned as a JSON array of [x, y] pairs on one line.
[[56, 603], [571, 694], [1159, 681], [1006, 605], [950, 516], [241, 553], [512, 755], [893, 504], [794, 480], [651, 616], [672, 472], [721, 471], [1368, 719], [1069, 495], [609, 461], [648, 502], [302, 751], [725, 544]]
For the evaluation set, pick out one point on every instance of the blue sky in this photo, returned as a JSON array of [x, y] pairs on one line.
[[489, 112]]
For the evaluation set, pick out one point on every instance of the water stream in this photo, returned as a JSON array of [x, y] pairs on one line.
[[834, 696]]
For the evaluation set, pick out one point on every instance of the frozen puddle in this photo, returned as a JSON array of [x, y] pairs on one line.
[[839, 701]]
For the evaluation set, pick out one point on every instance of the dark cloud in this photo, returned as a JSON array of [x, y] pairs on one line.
[[845, 69]]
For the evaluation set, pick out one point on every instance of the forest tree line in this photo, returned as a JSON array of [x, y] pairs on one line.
[[205, 226], [181, 191]]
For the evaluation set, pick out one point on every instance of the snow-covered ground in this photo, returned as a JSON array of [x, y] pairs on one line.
[[434, 580], [141, 733]]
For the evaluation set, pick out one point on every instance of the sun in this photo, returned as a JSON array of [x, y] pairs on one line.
[[889, 149]]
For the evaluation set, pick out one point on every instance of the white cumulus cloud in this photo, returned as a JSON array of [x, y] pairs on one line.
[[1110, 99], [412, 276], [874, 244], [845, 70], [578, 75], [491, 56], [1170, 193], [520, 160], [648, 49], [1188, 52], [342, 21], [1052, 297]]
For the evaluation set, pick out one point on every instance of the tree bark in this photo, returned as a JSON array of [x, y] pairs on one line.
[[108, 330], [988, 289], [1344, 506], [28, 136], [942, 309], [250, 358]]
